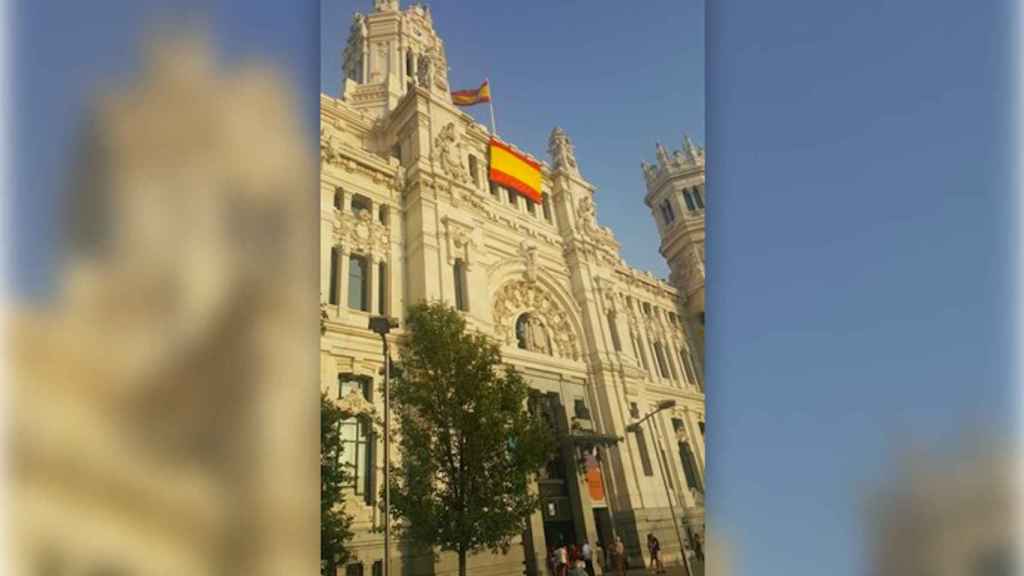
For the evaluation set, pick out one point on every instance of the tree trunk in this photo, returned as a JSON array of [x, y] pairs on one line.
[[462, 563]]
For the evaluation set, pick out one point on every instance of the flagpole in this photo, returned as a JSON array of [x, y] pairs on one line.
[[490, 102]]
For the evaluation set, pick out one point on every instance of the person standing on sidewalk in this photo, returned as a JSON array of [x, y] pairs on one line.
[[619, 556]]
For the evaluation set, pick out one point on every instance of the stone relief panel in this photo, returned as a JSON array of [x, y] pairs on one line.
[[545, 318], [360, 233]]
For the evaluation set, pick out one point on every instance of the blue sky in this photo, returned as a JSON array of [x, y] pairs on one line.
[[617, 76]]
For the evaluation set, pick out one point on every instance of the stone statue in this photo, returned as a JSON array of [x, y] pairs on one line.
[[561, 150], [449, 154]]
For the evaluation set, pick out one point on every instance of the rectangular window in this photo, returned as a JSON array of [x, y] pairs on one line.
[[580, 409], [495, 191], [459, 270], [689, 201], [358, 283], [697, 199], [474, 171], [530, 207], [513, 197], [643, 355], [645, 458], [667, 212], [354, 570], [690, 467], [659, 355], [701, 426], [616, 343], [687, 368], [332, 294], [382, 288], [356, 435], [546, 207]]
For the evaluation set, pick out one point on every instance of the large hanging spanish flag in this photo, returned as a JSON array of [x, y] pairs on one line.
[[514, 170], [471, 97]]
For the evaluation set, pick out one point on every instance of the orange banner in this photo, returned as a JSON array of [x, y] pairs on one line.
[[514, 170]]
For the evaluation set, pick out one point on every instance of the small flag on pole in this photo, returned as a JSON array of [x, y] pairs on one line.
[[472, 97]]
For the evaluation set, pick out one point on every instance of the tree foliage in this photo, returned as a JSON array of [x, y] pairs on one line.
[[469, 447], [335, 524]]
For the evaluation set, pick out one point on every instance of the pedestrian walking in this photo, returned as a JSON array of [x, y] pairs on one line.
[[654, 547], [588, 557]]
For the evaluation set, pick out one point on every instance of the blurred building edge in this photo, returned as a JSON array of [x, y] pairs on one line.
[[162, 401], [947, 517]]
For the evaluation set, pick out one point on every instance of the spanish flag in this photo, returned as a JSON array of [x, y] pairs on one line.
[[514, 170], [472, 97]]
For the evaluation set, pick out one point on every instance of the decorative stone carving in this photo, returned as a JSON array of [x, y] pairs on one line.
[[355, 404], [536, 336], [360, 233], [520, 296], [587, 218], [385, 5], [460, 240], [328, 151], [529, 251], [448, 153], [563, 155]]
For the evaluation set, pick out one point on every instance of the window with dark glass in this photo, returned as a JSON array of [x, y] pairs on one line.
[[701, 426], [616, 343], [545, 207], [522, 324], [689, 201], [530, 207], [332, 294], [382, 288], [645, 458], [459, 269], [690, 466], [382, 215], [358, 283], [356, 434], [666, 211], [659, 355], [513, 197], [354, 569], [580, 409], [697, 199], [360, 203], [687, 368]]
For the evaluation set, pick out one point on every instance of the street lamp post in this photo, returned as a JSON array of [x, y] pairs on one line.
[[634, 427], [383, 325]]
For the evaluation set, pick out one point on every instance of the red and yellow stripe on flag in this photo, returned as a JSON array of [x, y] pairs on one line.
[[514, 170], [471, 97]]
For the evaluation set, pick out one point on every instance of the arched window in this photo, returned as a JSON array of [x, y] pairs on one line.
[[339, 198], [522, 330]]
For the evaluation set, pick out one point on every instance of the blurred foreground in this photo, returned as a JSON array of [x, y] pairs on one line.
[[165, 399]]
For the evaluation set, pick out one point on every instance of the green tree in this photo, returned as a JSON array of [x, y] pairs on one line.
[[469, 447], [335, 524]]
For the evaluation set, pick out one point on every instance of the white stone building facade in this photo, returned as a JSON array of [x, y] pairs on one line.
[[408, 215]]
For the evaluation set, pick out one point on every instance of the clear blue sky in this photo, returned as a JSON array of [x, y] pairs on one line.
[[617, 76], [859, 257]]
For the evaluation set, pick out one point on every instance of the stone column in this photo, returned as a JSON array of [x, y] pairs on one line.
[[372, 261]]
